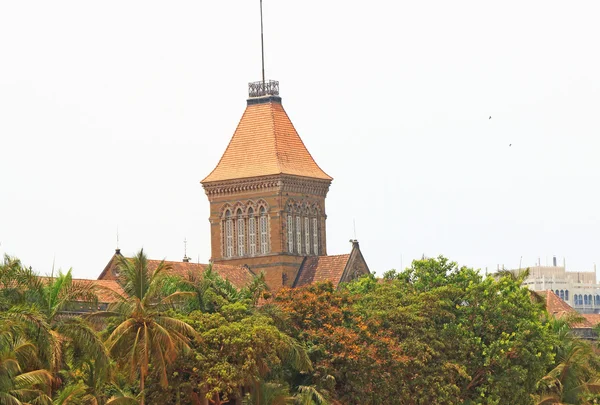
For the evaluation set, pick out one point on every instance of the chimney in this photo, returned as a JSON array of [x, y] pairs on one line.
[[118, 252], [186, 259]]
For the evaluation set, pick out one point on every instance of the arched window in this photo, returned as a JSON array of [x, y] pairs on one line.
[[556, 292], [590, 299], [580, 299], [562, 294], [241, 233], [597, 299], [299, 235], [228, 234], [264, 231], [315, 237], [290, 231], [307, 235], [566, 295], [251, 231], [585, 299]]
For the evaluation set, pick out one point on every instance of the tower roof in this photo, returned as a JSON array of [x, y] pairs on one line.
[[265, 143]]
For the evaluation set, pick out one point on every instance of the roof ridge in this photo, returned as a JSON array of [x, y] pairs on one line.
[[228, 145], [342, 254], [277, 157], [302, 143]]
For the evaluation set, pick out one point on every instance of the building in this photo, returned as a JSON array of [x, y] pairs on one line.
[[579, 289], [558, 308], [267, 206]]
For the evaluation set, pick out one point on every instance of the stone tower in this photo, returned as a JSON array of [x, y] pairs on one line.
[[267, 194]]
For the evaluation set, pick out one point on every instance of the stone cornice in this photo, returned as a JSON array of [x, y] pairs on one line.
[[280, 182]]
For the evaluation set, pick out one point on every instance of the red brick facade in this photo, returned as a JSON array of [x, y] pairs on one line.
[[267, 197]]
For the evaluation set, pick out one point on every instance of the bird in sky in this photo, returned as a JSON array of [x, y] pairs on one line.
[[490, 117], [510, 144]]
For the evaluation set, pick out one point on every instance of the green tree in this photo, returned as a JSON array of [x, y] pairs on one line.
[[575, 374], [145, 334]]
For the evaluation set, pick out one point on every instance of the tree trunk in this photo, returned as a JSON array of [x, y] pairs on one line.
[[142, 386]]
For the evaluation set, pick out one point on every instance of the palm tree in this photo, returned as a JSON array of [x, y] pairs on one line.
[[145, 334], [576, 369], [309, 395], [269, 393], [53, 298], [39, 306], [16, 385]]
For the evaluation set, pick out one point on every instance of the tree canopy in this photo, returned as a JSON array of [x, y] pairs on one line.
[[434, 333]]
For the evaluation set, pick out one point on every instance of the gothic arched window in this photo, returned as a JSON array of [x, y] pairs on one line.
[[290, 230], [299, 235], [307, 235], [264, 231], [228, 234], [315, 237], [585, 299], [562, 294], [566, 295], [251, 231], [241, 233]]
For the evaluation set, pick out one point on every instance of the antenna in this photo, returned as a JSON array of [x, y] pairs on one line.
[[354, 224], [117, 237], [262, 45]]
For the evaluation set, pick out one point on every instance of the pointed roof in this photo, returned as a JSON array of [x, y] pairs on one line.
[[265, 143], [337, 269]]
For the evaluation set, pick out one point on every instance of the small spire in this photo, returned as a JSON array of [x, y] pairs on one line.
[[117, 249], [186, 259]]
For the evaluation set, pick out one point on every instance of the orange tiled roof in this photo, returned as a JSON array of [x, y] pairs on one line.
[[265, 143], [106, 289], [593, 319], [559, 308], [237, 275], [322, 268]]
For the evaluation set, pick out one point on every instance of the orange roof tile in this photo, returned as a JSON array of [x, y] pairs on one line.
[[559, 308], [239, 276], [105, 289], [593, 319], [265, 143], [317, 269]]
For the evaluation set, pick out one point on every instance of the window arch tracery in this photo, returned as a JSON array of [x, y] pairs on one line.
[[241, 233], [228, 234], [303, 227], [245, 229], [251, 231], [264, 225]]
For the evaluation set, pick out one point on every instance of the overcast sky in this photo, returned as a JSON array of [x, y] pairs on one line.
[[112, 112]]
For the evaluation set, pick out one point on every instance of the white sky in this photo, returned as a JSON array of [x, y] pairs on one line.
[[112, 112]]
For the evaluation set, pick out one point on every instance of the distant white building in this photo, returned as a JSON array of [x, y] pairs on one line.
[[579, 289]]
